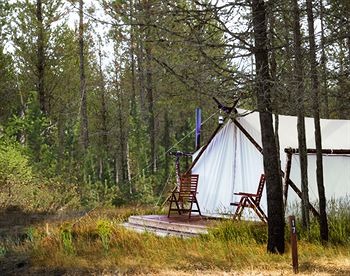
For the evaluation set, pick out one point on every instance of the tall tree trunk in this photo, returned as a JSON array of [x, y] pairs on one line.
[[139, 39], [273, 70], [128, 169], [166, 144], [324, 63], [149, 87], [347, 27], [40, 58], [104, 116], [133, 100], [140, 57], [122, 154], [133, 109], [287, 53], [61, 143], [318, 140], [104, 112], [300, 97], [83, 108], [150, 98], [273, 179]]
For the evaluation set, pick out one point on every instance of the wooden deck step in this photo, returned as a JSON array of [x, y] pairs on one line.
[[157, 231], [161, 225]]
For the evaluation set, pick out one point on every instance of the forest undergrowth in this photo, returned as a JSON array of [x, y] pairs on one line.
[[95, 242]]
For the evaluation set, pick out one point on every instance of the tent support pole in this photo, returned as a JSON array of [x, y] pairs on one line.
[[299, 193], [250, 138], [324, 151], [289, 181]]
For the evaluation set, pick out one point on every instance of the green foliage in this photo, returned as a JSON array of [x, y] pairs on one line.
[[34, 129], [67, 239], [99, 193], [20, 186], [31, 234], [138, 143], [42, 196], [146, 186], [8, 95], [3, 251], [104, 230], [14, 164]]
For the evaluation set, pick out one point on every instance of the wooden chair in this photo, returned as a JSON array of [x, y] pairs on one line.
[[185, 196], [249, 200]]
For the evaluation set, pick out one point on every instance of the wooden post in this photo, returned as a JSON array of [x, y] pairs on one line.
[[293, 241]]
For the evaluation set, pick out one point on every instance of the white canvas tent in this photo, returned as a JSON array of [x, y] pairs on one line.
[[232, 163]]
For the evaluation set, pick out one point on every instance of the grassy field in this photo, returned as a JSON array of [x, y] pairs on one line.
[[95, 243]]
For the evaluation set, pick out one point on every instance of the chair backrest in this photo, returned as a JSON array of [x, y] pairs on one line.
[[189, 183], [260, 189]]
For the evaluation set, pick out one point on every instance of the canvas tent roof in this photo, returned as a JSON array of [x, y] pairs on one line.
[[231, 163]]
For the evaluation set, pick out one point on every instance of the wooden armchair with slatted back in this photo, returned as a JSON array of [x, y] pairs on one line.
[[185, 196], [249, 200]]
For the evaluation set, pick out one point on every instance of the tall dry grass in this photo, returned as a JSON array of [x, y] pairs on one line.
[[98, 242]]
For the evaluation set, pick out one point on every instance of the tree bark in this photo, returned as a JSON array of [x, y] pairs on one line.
[[273, 74], [40, 58], [324, 63], [61, 143], [122, 153], [83, 108], [133, 108], [133, 100], [149, 88], [103, 119], [346, 21], [167, 144], [318, 139], [300, 98], [273, 179], [139, 39], [104, 111]]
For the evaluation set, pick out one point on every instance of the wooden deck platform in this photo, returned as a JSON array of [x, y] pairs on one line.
[[176, 225]]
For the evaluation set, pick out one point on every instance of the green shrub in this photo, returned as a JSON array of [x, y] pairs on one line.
[[40, 195], [14, 165], [67, 239], [3, 251], [99, 194], [104, 230]]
